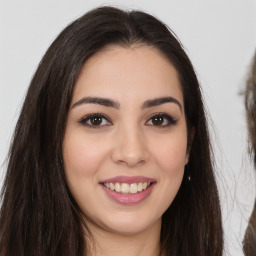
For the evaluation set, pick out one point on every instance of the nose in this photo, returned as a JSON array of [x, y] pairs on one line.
[[130, 148]]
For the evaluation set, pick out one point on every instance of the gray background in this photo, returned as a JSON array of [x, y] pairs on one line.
[[219, 37]]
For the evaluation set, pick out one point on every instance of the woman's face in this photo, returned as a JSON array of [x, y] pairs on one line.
[[125, 145]]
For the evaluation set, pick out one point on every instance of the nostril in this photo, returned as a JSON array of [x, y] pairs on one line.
[[131, 162], [130, 150]]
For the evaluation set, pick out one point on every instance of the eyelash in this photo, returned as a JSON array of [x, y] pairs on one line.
[[89, 117], [166, 118]]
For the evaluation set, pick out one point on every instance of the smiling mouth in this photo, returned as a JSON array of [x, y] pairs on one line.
[[125, 188]]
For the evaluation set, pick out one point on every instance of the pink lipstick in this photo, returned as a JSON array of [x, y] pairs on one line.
[[128, 190]]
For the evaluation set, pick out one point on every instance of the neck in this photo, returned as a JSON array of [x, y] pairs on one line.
[[109, 243]]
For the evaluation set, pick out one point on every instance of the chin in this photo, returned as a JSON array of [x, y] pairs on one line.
[[129, 224]]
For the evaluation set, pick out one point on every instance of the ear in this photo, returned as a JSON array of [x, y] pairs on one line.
[[189, 143]]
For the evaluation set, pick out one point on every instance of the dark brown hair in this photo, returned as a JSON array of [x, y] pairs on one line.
[[249, 243], [39, 216]]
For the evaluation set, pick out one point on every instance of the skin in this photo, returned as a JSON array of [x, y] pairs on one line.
[[126, 143]]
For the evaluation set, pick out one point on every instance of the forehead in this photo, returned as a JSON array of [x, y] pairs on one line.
[[137, 70]]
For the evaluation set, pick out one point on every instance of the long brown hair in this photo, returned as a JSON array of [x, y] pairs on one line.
[[249, 243], [39, 216]]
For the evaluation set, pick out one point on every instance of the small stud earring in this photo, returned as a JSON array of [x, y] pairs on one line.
[[61, 161]]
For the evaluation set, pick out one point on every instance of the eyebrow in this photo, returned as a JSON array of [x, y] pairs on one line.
[[96, 100], [160, 101], [114, 104]]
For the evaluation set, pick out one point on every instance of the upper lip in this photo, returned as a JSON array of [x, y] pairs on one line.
[[128, 179]]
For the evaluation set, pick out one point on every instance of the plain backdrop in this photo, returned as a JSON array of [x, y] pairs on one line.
[[219, 37]]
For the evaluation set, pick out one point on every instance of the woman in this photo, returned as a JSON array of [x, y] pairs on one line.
[[111, 153], [249, 243]]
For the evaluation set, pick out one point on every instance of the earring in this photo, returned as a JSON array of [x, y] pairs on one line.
[[60, 159]]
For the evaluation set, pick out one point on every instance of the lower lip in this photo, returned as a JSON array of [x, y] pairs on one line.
[[129, 199]]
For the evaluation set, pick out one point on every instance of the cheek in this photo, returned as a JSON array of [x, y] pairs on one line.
[[171, 155], [171, 160], [82, 155]]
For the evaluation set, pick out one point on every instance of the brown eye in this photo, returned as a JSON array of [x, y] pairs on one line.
[[157, 120], [161, 120], [95, 121]]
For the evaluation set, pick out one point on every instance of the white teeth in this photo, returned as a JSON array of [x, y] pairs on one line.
[[139, 187], [126, 188], [117, 187], [133, 188], [144, 185], [112, 186]]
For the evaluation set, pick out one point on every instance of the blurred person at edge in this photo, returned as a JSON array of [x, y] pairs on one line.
[[249, 242]]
